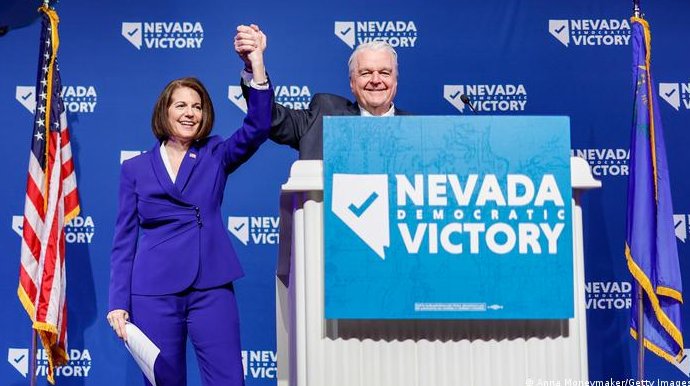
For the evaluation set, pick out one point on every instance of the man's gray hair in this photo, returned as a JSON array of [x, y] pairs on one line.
[[373, 46]]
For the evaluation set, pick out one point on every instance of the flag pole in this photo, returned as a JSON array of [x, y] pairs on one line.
[[640, 333], [636, 8], [33, 358]]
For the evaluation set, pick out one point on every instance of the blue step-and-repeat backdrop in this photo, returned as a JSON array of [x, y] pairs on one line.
[[519, 57]]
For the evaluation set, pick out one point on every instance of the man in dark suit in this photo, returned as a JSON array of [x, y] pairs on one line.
[[373, 81]]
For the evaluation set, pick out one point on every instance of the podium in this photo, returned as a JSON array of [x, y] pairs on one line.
[[313, 351]]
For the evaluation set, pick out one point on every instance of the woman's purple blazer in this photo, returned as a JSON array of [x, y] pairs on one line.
[[171, 236]]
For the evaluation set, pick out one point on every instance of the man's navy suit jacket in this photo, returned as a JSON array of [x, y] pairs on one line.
[[303, 129], [171, 236]]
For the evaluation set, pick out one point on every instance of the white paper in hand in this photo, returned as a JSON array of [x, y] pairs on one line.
[[143, 350]]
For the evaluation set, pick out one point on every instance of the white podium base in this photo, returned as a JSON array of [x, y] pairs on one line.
[[315, 352]]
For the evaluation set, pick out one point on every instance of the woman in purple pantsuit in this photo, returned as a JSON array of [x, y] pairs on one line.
[[172, 263]]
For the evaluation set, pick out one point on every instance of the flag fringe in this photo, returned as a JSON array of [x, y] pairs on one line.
[[661, 316], [26, 302], [658, 350], [48, 334], [650, 106], [71, 215], [56, 356], [669, 293]]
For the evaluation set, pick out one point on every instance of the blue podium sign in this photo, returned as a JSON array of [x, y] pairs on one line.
[[448, 218]]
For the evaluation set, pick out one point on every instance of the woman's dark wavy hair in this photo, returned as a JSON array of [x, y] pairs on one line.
[[159, 119]]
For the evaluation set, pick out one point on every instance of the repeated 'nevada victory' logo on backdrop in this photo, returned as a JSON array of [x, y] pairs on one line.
[[259, 230], [487, 97], [682, 224], [164, 34], [608, 295], [77, 99], [291, 96], [591, 32], [78, 364], [398, 33], [19, 359], [79, 230], [605, 162], [260, 364], [129, 154], [676, 94]]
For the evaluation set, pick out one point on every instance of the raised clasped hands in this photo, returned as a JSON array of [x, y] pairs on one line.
[[250, 44]]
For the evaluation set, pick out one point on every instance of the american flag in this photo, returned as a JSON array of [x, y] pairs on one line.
[[51, 202]]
